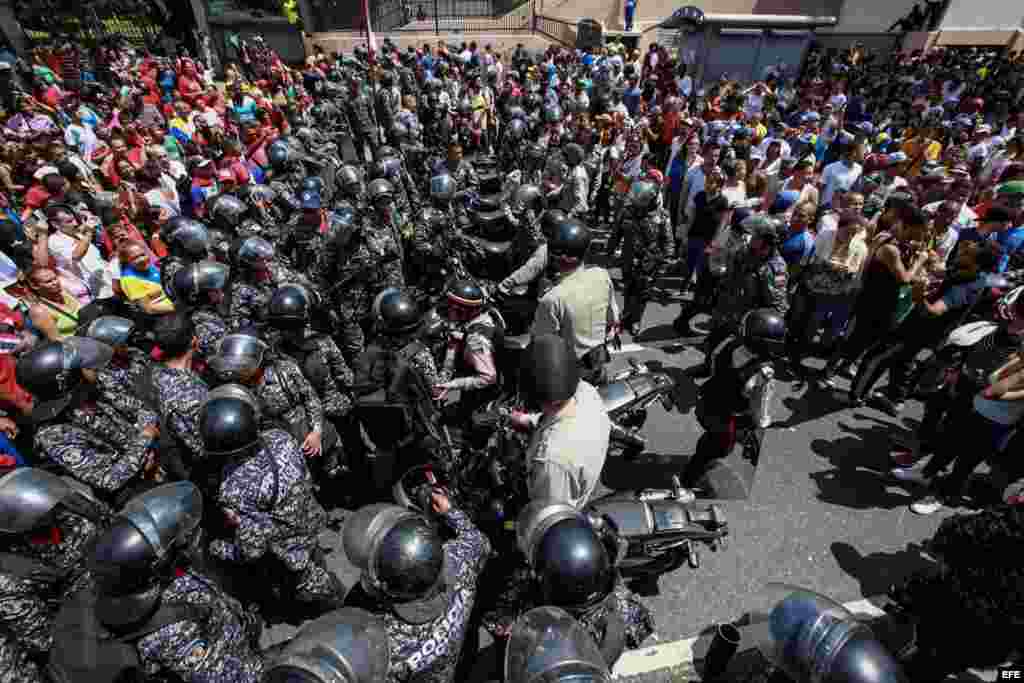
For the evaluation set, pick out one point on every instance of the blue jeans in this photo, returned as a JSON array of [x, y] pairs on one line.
[[836, 308], [629, 17], [696, 259]]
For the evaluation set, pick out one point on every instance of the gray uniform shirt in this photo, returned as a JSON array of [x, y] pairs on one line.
[[567, 451]]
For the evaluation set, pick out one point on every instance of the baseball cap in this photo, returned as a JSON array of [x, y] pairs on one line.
[[310, 200]]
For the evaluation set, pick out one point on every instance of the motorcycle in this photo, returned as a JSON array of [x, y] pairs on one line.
[[628, 395]]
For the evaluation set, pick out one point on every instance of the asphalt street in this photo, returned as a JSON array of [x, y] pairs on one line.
[[820, 511]]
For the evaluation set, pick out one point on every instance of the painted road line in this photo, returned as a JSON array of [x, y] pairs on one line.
[[680, 652], [629, 348]]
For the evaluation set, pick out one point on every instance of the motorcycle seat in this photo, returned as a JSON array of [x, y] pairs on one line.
[[518, 342], [494, 247]]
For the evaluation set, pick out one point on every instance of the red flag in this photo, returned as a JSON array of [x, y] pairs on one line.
[[371, 42]]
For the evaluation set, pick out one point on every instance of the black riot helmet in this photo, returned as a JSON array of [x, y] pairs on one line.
[[28, 496], [763, 332], [549, 371], [552, 221], [279, 154], [238, 356], [547, 645], [187, 238], [387, 79], [813, 638], [401, 556], [573, 154], [348, 645], [571, 239], [140, 549], [516, 129], [195, 283], [643, 196], [465, 293], [513, 112], [565, 554], [399, 312], [442, 189], [112, 330], [528, 197], [312, 184], [290, 307], [380, 191], [227, 212], [253, 253], [230, 421], [49, 372], [348, 180]]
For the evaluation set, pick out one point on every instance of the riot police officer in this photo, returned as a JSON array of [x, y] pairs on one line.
[[390, 225], [423, 588], [537, 263], [126, 366], [188, 241], [434, 234], [267, 496], [286, 399], [303, 237], [581, 307], [363, 118], [288, 169], [290, 313], [548, 640], [741, 383], [252, 282], [573, 569], [650, 229], [151, 597], [350, 188], [201, 287], [403, 370], [388, 99], [757, 279], [348, 645], [404, 194], [359, 260], [475, 335], [98, 447], [233, 216], [48, 525]]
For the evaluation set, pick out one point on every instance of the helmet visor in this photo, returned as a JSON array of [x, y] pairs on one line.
[[111, 329], [237, 354], [547, 644], [166, 515], [255, 250]]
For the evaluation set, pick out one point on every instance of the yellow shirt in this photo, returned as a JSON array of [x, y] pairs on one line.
[[912, 148]]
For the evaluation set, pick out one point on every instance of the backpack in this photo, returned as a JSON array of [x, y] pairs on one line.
[[85, 650]]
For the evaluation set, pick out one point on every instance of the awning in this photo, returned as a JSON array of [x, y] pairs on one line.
[[762, 21]]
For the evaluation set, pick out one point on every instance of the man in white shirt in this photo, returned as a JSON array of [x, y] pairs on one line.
[[841, 174], [981, 146], [693, 183], [79, 263]]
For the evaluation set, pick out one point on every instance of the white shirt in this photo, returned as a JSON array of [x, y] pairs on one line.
[[90, 273], [693, 183], [838, 175], [838, 101], [753, 105]]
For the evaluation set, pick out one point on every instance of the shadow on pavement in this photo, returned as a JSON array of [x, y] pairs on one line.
[[813, 404], [877, 572], [858, 478], [650, 470]]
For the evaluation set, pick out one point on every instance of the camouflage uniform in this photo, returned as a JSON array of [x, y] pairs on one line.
[[15, 666], [753, 284], [432, 241], [272, 492], [115, 384], [388, 101], [220, 649], [353, 272], [364, 123], [407, 200], [287, 400], [169, 267], [464, 175], [374, 365], [96, 446], [429, 653], [517, 595], [210, 328], [180, 396], [302, 244], [249, 298], [333, 386], [652, 239], [28, 606]]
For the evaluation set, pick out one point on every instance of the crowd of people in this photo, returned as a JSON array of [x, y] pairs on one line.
[[223, 302]]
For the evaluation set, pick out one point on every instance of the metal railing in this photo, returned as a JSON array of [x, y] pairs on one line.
[[556, 29], [448, 15]]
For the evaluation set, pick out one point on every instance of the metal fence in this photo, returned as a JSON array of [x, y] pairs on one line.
[[555, 29], [447, 15], [139, 31]]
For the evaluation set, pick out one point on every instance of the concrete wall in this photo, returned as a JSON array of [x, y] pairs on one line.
[[983, 14], [344, 41], [869, 16]]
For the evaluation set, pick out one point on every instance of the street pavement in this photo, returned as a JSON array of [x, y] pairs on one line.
[[820, 512]]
